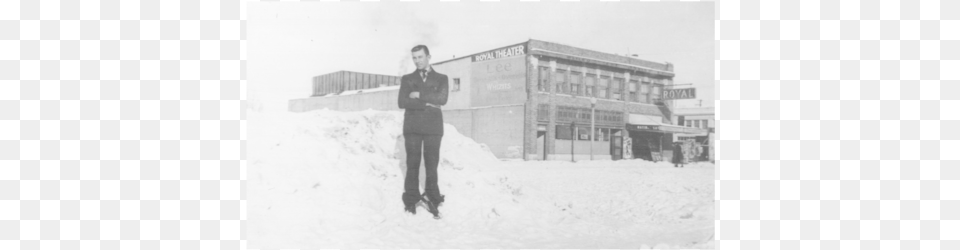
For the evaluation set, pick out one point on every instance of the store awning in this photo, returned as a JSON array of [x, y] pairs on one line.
[[651, 126]]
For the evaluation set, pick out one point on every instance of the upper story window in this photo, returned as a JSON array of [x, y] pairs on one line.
[[544, 84], [456, 84], [655, 94], [590, 85], [575, 88], [616, 89], [602, 88], [559, 79]]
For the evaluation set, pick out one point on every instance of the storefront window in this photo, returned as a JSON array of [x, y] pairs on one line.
[[563, 132], [583, 133], [603, 134]]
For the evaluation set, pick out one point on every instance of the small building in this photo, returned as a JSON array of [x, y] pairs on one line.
[[536, 100], [702, 118]]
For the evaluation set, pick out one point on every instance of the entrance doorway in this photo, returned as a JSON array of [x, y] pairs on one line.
[[616, 144], [542, 145]]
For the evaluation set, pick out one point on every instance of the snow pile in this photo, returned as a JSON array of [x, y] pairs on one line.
[[329, 179], [328, 176]]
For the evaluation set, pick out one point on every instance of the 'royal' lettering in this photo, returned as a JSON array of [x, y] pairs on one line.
[[501, 53]]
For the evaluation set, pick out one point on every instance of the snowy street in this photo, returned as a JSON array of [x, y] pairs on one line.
[[328, 179]]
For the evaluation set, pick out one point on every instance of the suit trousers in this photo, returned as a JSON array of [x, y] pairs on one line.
[[431, 155]]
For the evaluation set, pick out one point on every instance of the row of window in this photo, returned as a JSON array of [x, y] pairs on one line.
[[638, 89], [582, 133], [696, 123], [582, 115], [579, 69]]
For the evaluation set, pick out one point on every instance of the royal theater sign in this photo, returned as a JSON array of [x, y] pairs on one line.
[[500, 53], [674, 94]]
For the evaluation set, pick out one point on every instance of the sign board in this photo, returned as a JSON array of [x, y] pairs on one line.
[[641, 127], [515, 50], [674, 94], [498, 81]]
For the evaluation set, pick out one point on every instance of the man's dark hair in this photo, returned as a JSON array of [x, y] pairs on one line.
[[421, 47]]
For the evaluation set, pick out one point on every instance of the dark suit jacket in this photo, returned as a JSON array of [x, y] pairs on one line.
[[418, 118]]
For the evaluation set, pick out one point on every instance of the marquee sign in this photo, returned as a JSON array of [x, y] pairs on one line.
[[515, 50], [642, 127], [674, 94]]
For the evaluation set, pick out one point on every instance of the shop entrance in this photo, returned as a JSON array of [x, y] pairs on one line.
[[541, 145], [642, 146], [616, 145]]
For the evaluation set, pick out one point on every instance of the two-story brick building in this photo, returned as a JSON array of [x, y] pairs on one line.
[[522, 99]]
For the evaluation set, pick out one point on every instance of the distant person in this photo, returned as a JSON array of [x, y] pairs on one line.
[[421, 95], [677, 155]]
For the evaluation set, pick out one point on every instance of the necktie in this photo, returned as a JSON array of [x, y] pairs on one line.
[[423, 74]]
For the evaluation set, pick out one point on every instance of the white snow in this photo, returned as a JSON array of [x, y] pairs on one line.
[[329, 179]]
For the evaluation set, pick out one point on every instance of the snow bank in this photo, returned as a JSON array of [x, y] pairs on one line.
[[342, 173], [329, 179]]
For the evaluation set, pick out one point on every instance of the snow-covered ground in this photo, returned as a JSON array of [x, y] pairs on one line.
[[328, 179]]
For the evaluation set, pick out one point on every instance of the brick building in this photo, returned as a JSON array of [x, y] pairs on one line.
[[521, 100]]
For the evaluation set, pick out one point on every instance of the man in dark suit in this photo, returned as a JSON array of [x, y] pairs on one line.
[[421, 95]]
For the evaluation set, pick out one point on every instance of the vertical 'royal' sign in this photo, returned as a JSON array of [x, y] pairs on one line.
[[673, 94]]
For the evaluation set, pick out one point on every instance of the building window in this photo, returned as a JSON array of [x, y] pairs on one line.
[[564, 133], [696, 123], [544, 80], [655, 95], [633, 92], [575, 83], [558, 80], [590, 85], [602, 134], [644, 93], [602, 92], [616, 89], [456, 84]]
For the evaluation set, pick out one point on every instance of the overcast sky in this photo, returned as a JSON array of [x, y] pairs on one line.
[[290, 42]]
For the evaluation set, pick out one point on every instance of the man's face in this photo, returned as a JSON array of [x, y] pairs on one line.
[[421, 59]]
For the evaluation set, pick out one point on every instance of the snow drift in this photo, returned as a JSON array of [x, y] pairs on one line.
[[329, 179]]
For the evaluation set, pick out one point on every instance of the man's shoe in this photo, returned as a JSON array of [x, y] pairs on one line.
[[410, 209], [439, 201], [431, 206]]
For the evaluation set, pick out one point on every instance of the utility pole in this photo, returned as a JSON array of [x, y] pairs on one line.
[[593, 131], [573, 138]]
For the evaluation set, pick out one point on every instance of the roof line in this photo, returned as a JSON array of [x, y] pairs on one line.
[[601, 60]]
